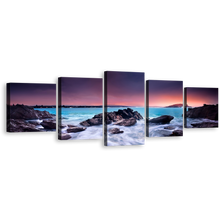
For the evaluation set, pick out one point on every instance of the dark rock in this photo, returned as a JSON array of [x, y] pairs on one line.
[[169, 127], [107, 121], [126, 122], [26, 112], [20, 125], [115, 131], [206, 111], [48, 124], [91, 122], [205, 125], [164, 119], [71, 126], [75, 129], [98, 116], [137, 115], [64, 136], [62, 126], [177, 133], [113, 117]]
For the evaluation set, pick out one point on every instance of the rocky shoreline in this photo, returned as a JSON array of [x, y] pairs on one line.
[[22, 118], [204, 112], [125, 117]]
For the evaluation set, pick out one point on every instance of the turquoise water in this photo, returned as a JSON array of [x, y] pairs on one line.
[[156, 112], [133, 135], [50, 110], [157, 130]]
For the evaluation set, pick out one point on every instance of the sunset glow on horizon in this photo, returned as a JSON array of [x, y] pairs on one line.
[[199, 96], [164, 93]]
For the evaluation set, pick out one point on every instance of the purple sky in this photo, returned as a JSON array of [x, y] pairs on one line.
[[125, 88], [81, 91], [32, 94]]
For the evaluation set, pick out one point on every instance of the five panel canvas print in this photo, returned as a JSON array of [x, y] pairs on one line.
[[31, 107]]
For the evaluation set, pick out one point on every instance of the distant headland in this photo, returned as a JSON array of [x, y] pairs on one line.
[[175, 106]]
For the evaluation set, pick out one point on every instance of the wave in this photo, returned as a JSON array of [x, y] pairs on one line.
[[190, 121], [156, 130], [134, 135]]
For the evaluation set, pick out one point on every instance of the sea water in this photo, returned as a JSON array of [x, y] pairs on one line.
[[73, 116], [133, 135], [157, 130]]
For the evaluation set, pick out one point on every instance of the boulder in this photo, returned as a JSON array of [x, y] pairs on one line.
[[20, 125], [205, 125], [64, 136], [137, 115], [115, 131], [177, 133], [26, 112], [206, 111], [48, 124], [164, 119], [126, 122], [75, 129], [113, 117], [91, 122]]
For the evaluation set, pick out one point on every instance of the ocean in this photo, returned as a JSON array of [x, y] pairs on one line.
[[134, 135], [156, 130]]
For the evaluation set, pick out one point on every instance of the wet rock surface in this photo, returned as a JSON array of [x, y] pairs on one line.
[[27, 113], [20, 125], [206, 111], [164, 119], [48, 124], [74, 129], [177, 133], [205, 125], [115, 116], [115, 131], [20, 116], [126, 122]]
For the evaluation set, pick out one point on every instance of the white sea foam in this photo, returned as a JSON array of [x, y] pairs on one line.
[[156, 130], [196, 120], [133, 135]]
